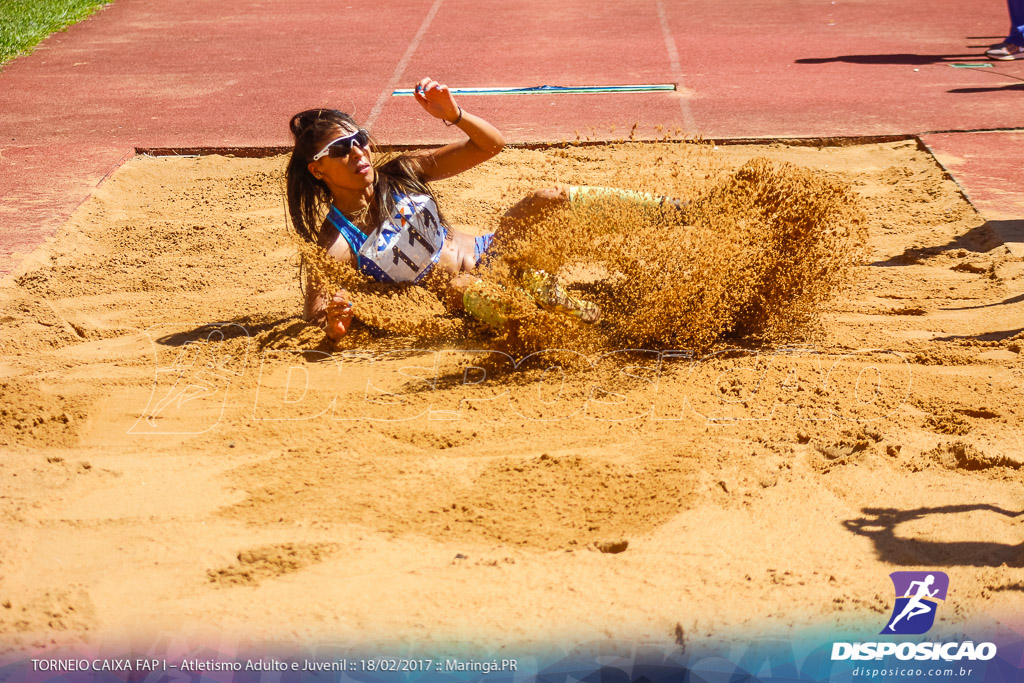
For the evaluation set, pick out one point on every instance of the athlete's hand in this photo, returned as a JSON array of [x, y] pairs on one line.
[[436, 99], [339, 315]]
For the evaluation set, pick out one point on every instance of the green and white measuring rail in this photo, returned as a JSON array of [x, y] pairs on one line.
[[551, 90]]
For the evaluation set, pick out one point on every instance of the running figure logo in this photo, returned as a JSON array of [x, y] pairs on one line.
[[917, 596]]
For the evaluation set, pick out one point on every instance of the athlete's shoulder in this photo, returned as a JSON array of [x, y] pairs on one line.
[[328, 234], [406, 166]]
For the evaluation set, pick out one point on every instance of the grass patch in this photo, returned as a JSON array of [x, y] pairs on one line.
[[24, 23]]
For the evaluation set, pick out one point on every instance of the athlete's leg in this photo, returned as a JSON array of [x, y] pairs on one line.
[[489, 303], [453, 293], [591, 194], [544, 287], [529, 210], [484, 301], [551, 295]]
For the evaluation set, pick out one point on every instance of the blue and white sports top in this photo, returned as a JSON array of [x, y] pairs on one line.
[[404, 248]]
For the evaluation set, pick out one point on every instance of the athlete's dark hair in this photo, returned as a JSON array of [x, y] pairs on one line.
[[308, 197]]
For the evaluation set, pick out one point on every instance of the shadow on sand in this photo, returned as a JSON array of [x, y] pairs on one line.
[[879, 524]]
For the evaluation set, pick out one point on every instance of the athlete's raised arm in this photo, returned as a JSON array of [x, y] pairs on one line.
[[483, 142]]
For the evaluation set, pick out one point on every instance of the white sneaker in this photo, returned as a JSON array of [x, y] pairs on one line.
[[1005, 52]]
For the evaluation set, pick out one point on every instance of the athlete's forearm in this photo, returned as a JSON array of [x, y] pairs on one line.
[[484, 141], [314, 307], [482, 134]]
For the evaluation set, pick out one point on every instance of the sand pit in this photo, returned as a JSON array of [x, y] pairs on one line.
[[185, 459]]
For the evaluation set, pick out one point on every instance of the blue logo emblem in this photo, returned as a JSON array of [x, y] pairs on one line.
[[388, 233], [917, 599]]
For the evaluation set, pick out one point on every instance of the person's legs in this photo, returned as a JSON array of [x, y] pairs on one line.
[[484, 301], [489, 303], [549, 293], [591, 194], [1013, 46], [1016, 8], [537, 204], [544, 287]]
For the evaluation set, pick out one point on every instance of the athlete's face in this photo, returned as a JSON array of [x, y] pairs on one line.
[[353, 172]]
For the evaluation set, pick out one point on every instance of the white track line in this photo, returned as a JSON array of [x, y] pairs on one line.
[[400, 68], [689, 123]]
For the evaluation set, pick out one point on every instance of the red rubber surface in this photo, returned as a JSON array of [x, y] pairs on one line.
[[988, 168]]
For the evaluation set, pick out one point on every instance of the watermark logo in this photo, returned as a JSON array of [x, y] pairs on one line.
[[917, 599], [194, 371], [196, 368]]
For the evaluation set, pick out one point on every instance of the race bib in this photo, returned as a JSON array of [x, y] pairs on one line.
[[406, 246]]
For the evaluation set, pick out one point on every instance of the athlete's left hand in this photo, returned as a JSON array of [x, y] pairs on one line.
[[339, 315], [436, 99]]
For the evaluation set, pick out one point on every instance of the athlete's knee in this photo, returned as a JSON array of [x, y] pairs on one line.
[[551, 196], [532, 208], [543, 199]]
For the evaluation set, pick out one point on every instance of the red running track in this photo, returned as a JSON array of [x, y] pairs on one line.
[[156, 73]]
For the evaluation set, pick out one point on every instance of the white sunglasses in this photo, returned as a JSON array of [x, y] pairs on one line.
[[342, 147]]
